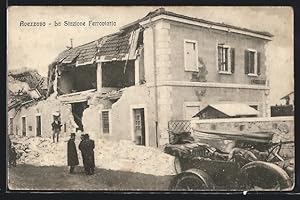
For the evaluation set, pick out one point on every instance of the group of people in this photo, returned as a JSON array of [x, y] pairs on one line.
[[86, 146]]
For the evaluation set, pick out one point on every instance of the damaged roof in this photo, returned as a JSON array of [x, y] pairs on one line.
[[81, 54], [117, 46], [24, 86], [29, 76]]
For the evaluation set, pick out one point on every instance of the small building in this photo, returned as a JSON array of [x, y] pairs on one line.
[[289, 98], [285, 109], [232, 110]]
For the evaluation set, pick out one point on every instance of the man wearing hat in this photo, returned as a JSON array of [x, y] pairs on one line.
[[90, 158], [72, 153], [82, 147], [56, 126]]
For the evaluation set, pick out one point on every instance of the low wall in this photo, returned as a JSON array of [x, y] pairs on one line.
[[283, 128]]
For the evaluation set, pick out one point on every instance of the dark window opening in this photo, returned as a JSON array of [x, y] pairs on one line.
[[77, 111], [38, 126], [105, 122], [118, 74], [77, 79]]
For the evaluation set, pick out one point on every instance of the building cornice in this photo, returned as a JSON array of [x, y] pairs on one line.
[[208, 84], [206, 25]]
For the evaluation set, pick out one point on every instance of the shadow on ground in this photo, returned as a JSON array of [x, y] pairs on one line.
[[28, 177]]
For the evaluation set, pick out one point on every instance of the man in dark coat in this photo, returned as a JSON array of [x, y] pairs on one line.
[[72, 153], [83, 149], [90, 158]]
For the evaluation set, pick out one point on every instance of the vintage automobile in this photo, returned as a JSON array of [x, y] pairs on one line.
[[253, 163]]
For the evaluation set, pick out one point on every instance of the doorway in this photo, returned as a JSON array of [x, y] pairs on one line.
[[38, 126], [139, 126], [24, 126], [77, 111]]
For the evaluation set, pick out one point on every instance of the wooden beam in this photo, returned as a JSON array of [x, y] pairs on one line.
[[99, 76]]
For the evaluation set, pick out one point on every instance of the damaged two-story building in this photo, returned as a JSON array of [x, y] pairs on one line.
[[163, 67]]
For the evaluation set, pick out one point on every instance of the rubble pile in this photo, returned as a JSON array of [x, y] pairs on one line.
[[127, 156], [122, 155], [40, 151]]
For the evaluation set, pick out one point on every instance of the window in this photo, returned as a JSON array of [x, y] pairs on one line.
[[225, 59], [190, 55], [105, 122], [252, 62]]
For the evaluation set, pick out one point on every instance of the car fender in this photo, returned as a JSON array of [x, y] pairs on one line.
[[207, 180]]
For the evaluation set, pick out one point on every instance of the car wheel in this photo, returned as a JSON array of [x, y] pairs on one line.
[[193, 179], [266, 176]]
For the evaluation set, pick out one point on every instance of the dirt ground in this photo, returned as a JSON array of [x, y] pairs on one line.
[[28, 177]]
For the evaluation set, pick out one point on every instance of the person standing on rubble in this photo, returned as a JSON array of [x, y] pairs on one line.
[[72, 154], [56, 127]]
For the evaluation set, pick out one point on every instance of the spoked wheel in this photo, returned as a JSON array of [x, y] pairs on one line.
[[266, 176], [192, 180]]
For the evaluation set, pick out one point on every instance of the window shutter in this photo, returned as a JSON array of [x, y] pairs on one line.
[[258, 63], [232, 59], [246, 62]]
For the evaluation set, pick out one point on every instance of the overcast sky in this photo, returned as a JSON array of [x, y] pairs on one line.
[[36, 47]]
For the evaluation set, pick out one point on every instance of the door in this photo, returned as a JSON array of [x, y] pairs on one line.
[[139, 126], [38, 126], [24, 126]]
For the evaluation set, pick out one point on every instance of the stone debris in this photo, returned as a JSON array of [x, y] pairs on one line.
[[122, 155]]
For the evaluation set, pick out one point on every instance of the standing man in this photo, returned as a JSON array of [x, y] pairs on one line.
[[56, 127], [90, 157], [83, 149], [72, 153]]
